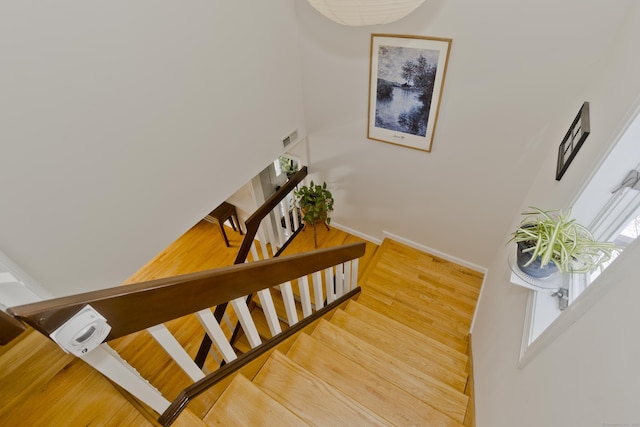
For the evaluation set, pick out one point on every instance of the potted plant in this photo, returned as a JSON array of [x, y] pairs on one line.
[[549, 241], [288, 166], [315, 203]]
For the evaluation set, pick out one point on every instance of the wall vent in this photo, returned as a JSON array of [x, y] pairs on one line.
[[292, 137]]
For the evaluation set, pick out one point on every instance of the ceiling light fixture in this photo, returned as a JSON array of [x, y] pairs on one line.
[[365, 12]]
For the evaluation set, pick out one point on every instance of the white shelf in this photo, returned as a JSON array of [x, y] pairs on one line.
[[547, 285]]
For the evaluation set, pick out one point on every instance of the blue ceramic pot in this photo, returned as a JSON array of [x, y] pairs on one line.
[[534, 269]]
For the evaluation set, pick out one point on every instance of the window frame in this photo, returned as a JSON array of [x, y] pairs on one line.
[[544, 324]]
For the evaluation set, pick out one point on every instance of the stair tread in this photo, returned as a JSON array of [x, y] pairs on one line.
[[310, 398], [385, 306], [438, 322], [395, 255], [185, 419], [402, 347], [439, 395], [24, 370], [438, 351], [442, 300], [384, 398], [244, 404]]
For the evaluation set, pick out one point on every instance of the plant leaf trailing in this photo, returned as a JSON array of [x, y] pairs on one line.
[[554, 237]]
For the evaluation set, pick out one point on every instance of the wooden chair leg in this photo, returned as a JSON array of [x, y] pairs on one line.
[[224, 235]]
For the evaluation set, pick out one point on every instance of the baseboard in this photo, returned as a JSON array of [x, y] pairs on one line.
[[412, 244], [356, 233], [436, 252]]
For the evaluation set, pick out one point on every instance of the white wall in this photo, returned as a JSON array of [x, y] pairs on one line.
[[122, 123], [588, 375], [514, 69]]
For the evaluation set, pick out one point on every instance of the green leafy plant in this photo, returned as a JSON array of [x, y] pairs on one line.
[[288, 166], [315, 203], [554, 237]]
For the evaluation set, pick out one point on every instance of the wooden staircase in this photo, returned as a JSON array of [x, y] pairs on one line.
[[396, 356]]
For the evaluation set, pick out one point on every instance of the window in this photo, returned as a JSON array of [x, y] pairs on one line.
[[610, 207]]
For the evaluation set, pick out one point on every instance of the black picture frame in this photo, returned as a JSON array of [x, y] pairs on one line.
[[573, 140]]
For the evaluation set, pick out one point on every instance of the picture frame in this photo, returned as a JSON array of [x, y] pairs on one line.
[[573, 140], [406, 78]]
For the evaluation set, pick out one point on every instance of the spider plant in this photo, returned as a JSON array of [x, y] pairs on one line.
[[553, 237]]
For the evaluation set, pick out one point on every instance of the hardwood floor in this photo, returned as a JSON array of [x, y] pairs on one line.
[[41, 383], [423, 352]]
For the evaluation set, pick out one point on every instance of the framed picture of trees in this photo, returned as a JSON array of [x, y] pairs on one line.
[[405, 87]]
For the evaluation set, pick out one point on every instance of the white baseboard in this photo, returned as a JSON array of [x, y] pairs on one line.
[[356, 233]]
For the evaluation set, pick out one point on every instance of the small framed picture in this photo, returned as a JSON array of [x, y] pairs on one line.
[[405, 88], [573, 140]]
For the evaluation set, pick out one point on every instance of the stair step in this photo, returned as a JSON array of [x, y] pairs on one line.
[[185, 419], [401, 347], [443, 301], [371, 390], [244, 404], [24, 370], [437, 394], [440, 353], [384, 305], [311, 399], [436, 321]]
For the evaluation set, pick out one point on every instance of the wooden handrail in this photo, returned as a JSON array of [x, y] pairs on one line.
[[253, 222], [138, 306], [199, 387], [10, 328]]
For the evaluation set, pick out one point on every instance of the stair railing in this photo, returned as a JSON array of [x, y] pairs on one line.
[[268, 232], [147, 305], [278, 209]]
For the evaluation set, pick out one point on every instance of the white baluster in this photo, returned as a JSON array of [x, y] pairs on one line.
[[244, 316], [216, 334], [267, 222], [317, 290], [354, 273], [108, 362], [339, 288], [263, 241], [269, 310], [279, 218], [346, 287], [289, 303], [254, 251], [287, 218], [176, 351], [328, 278], [296, 221], [305, 298]]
